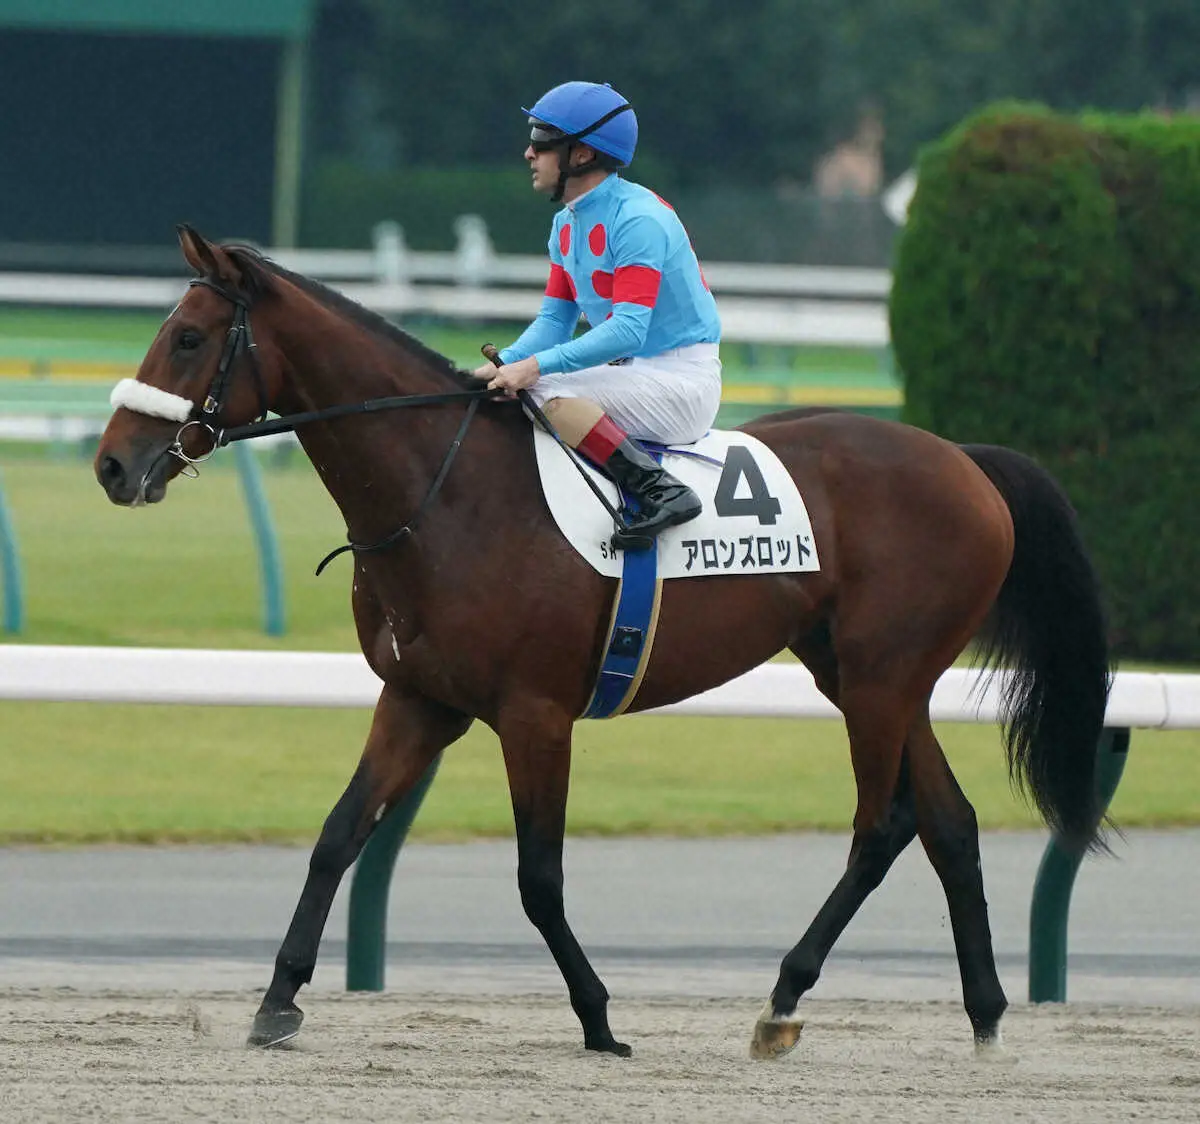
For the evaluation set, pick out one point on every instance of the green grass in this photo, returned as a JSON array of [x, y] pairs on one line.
[[184, 574], [129, 329], [51, 352], [74, 773]]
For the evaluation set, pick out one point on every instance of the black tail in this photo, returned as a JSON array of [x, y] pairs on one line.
[[1048, 627]]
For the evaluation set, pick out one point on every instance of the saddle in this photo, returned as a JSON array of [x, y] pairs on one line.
[[753, 521]]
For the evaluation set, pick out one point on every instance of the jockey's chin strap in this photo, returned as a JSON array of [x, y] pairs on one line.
[[566, 171]]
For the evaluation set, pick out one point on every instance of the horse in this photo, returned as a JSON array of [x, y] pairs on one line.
[[469, 604]]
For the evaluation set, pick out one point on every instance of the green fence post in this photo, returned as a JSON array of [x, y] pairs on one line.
[[274, 623], [14, 585], [1051, 904], [366, 937]]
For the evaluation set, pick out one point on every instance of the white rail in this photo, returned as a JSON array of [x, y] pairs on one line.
[[1144, 700], [481, 268], [759, 302], [745, 319]]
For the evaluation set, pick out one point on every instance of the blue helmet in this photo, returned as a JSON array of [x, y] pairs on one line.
[[593, 114]]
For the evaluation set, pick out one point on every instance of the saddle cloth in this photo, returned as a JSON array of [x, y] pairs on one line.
[[754, 520]]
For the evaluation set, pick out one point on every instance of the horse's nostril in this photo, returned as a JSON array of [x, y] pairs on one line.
[[111, 471]]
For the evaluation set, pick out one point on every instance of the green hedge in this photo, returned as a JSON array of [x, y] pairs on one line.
[[343, 202], [1047, 297]]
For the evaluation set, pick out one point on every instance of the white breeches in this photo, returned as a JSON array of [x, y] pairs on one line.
[[672, 397]]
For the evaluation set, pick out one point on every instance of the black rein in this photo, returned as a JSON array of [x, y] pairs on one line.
[[476, 397], [240, 334]]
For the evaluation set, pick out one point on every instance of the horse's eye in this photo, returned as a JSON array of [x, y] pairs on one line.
[[189, 340]]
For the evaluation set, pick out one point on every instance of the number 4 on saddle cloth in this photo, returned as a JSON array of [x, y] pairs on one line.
[[754, 522]]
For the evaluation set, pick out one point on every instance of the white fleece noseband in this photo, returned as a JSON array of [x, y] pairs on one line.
[[143, 399]]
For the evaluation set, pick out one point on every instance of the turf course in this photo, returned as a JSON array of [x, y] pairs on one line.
[[184, 574], [52, 334], [68, 347]]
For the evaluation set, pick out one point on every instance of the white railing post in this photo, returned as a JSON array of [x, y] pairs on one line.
[[391, 253], [474, 253]]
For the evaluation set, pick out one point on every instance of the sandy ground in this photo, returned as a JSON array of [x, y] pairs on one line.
[[162, 1056]]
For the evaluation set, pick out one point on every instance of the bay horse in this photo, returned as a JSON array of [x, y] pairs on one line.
[[474, 606]]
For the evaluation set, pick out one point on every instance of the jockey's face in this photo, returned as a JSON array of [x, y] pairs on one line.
[[543, 167], [543, 164]]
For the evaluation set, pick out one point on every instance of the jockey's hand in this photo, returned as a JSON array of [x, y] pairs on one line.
[[512, 377]]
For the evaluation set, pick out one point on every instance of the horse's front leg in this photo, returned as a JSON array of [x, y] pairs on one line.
[[537, 755], [407, 733]]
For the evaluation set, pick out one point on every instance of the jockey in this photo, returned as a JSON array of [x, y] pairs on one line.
[[649, 365]]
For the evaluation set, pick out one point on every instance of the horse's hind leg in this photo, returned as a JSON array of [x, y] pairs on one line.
[[884, 824], [537, 755], [407, 733], [950, 835]]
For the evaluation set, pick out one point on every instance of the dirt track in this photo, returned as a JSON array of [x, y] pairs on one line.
[[134, 1056]]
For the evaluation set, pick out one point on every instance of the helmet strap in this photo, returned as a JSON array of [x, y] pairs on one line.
[[566, 171], [570, 138], [566, 142]]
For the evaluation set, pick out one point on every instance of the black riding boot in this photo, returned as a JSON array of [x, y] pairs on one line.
[[662, 500]]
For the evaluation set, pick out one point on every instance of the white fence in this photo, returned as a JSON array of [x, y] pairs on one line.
[[759, 302], [1141, 700]]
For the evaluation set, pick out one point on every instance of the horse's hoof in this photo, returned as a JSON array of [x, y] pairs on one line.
[[610, 1046], [989, 1045], [774, 1035], [274, 1028]]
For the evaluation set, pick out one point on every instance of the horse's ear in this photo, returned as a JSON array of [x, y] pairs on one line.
[[207, 258], [197, 251]]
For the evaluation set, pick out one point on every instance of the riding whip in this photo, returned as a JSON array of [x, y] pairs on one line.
[[526, 399]]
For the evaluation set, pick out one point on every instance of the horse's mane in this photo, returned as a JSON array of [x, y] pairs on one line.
[[258, 270]]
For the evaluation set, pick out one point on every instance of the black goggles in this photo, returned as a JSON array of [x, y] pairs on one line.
[[545, 138]]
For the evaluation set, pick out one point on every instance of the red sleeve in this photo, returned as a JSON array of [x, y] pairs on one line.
[[560, 284], [636, 284]]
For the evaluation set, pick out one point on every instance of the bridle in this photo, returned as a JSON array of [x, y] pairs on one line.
[[240, 338]]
